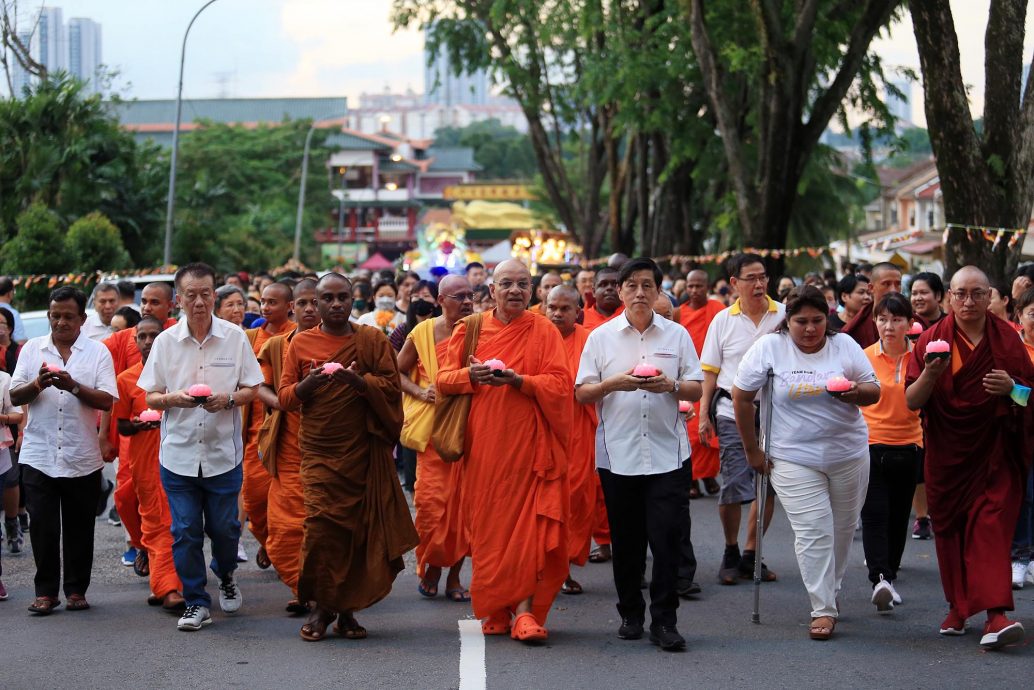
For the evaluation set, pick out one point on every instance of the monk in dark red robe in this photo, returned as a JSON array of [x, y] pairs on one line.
[[357, 524], [517, 441], [886, 277], [979, 444]]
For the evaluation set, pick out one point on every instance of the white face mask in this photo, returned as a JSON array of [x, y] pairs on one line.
[[385, 303]]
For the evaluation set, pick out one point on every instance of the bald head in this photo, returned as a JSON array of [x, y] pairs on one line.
[[332, 276], [886, 277], [304, 285], [453, 283], [562, 308], [968, 274], [455, 298], [549, 281], [156, 301], [696, 289], [511, 289], [276, 303], [662, 306]]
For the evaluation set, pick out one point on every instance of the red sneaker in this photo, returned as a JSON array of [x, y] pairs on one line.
[[953, 624], [999, 632]]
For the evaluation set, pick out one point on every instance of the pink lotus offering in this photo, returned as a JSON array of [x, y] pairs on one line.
[[150, 415], [938, 349], [685, 406], [330, 367], [915, 331], [497, 366], [200, 392], [645, 371], [837, 386], [53, 368]]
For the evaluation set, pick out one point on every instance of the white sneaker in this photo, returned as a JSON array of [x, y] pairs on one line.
[[895, 597], [242, 555], [1030, 572], [194, 618], [883, 597], [230, 599], [1019, 574]]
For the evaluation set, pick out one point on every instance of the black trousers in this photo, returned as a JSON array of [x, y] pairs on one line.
[[688, 557], [888, 507], [68, 505], [647, 510]]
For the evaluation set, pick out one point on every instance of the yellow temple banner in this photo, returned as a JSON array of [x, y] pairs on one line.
[[488, 192]]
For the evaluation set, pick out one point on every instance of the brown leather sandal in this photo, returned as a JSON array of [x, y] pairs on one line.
[[76, 602], [822, 627], [44, 606]]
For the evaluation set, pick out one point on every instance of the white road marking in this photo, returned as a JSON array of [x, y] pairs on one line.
[[472, 656]]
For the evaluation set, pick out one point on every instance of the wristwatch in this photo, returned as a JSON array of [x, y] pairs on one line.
[[75, 390], [229, 401], [675, 387]]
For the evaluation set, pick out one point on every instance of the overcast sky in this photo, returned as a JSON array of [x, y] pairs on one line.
[[345, 47]]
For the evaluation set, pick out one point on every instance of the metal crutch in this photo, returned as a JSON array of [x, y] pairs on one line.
[[761, 485]]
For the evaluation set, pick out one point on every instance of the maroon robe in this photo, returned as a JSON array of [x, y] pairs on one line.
[[978, 448], [863, 327]]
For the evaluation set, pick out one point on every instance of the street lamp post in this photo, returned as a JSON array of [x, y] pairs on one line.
[[171, 205]]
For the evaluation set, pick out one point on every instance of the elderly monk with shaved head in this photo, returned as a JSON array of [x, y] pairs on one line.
[[515, 494], [549, 281], [979, 445], [562, 310], [276, 300], [696, 314], [357, 525], [437, 494], [279, 452]]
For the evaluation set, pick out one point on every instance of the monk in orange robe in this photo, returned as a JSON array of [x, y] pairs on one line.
[[562, 310], [696, 315], [357, 525], [607, 304], [156, 300], [979, 445], [143, 440], [515, 495], [549, 281], [276, 309], [438, 491], [285, 508]]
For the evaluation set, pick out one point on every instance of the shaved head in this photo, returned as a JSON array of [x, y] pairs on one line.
[[974, 287], [332, 276], [456, 298], [286, 293], [511, 289], [967, 274], [562, 308], [452, 283], [304, 285], [886, 277], [165, 289], [662, 306], [512, 265], [696, 289]]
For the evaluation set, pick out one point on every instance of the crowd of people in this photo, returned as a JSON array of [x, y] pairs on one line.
[[307, 406]]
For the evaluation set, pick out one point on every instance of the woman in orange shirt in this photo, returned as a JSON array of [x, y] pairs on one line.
[[895, 452]]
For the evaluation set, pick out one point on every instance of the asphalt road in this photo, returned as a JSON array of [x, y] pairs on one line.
[[415, 643]]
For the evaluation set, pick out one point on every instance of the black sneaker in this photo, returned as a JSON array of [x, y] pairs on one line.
[[729, 573], [14, 536], [102, 500], [23, 521], [746, 569], [667, 638], [686, 588], [113, 518], [922, 529], [630, 629]]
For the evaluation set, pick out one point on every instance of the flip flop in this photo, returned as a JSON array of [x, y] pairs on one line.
[[459, 595], [44, 606], [822, 631], [527, 629], [429, 592], [596, 556], [142, 563], [316, 628], [76, 602], [262, 558]]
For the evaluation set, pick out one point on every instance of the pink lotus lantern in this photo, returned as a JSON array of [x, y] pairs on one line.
[[645, 371], [53, 368], [837, 386], [330, 367], [915, 331], [497, 366], [150, 415], [685, 406], [938, 349], [200, 392]]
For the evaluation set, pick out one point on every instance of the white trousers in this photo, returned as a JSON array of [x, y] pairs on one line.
[[823, 507]]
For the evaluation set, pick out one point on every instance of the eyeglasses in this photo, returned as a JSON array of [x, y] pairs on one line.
[[961, 296], [507, 284], [756, 278], [461, 296]]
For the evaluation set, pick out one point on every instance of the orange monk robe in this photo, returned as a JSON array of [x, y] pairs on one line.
[[697, 321], [515, 495], [357, 523], [255, 486], [581, 467], [285, 508], [437, 497], [601, 529], [142, 457], [125, 354]]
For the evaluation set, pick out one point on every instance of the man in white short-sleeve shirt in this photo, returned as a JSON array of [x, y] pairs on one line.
[[729, 336], [65, 379], [201, 448], [641, 446]]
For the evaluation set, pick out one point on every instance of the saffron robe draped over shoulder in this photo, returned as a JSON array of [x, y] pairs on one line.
[[357, 524], [515, 496], [978, 450], [581, 467], [703, 455]]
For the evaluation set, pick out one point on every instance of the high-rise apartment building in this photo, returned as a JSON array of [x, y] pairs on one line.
[[84, 51], [442, 86], [75, 48]]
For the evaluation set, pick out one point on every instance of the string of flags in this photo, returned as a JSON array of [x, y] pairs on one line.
[[992, 235], [52, 280]]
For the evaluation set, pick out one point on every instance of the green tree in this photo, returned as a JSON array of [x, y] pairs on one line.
[[38, 246], [93, 243], [502, 151]]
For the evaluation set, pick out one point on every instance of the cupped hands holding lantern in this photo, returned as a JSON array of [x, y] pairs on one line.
[[332, 372], [493, 373]]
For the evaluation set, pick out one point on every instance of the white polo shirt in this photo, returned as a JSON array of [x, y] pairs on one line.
[[95, 330], [194, 440], [61, 435], [729, 336], [639, 432]]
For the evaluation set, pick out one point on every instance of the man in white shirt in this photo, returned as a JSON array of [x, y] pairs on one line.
[[64, 378], [729, 336], [641, 446], [201, 447], [105, 304]]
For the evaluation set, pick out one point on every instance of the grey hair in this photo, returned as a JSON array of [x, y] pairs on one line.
[[225, 291]]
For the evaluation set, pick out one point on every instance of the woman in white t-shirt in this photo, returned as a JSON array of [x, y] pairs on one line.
[[9, 414], [819, 453]]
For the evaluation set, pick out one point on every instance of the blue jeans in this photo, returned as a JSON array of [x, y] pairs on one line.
[[1023, 539], [199, 506]]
